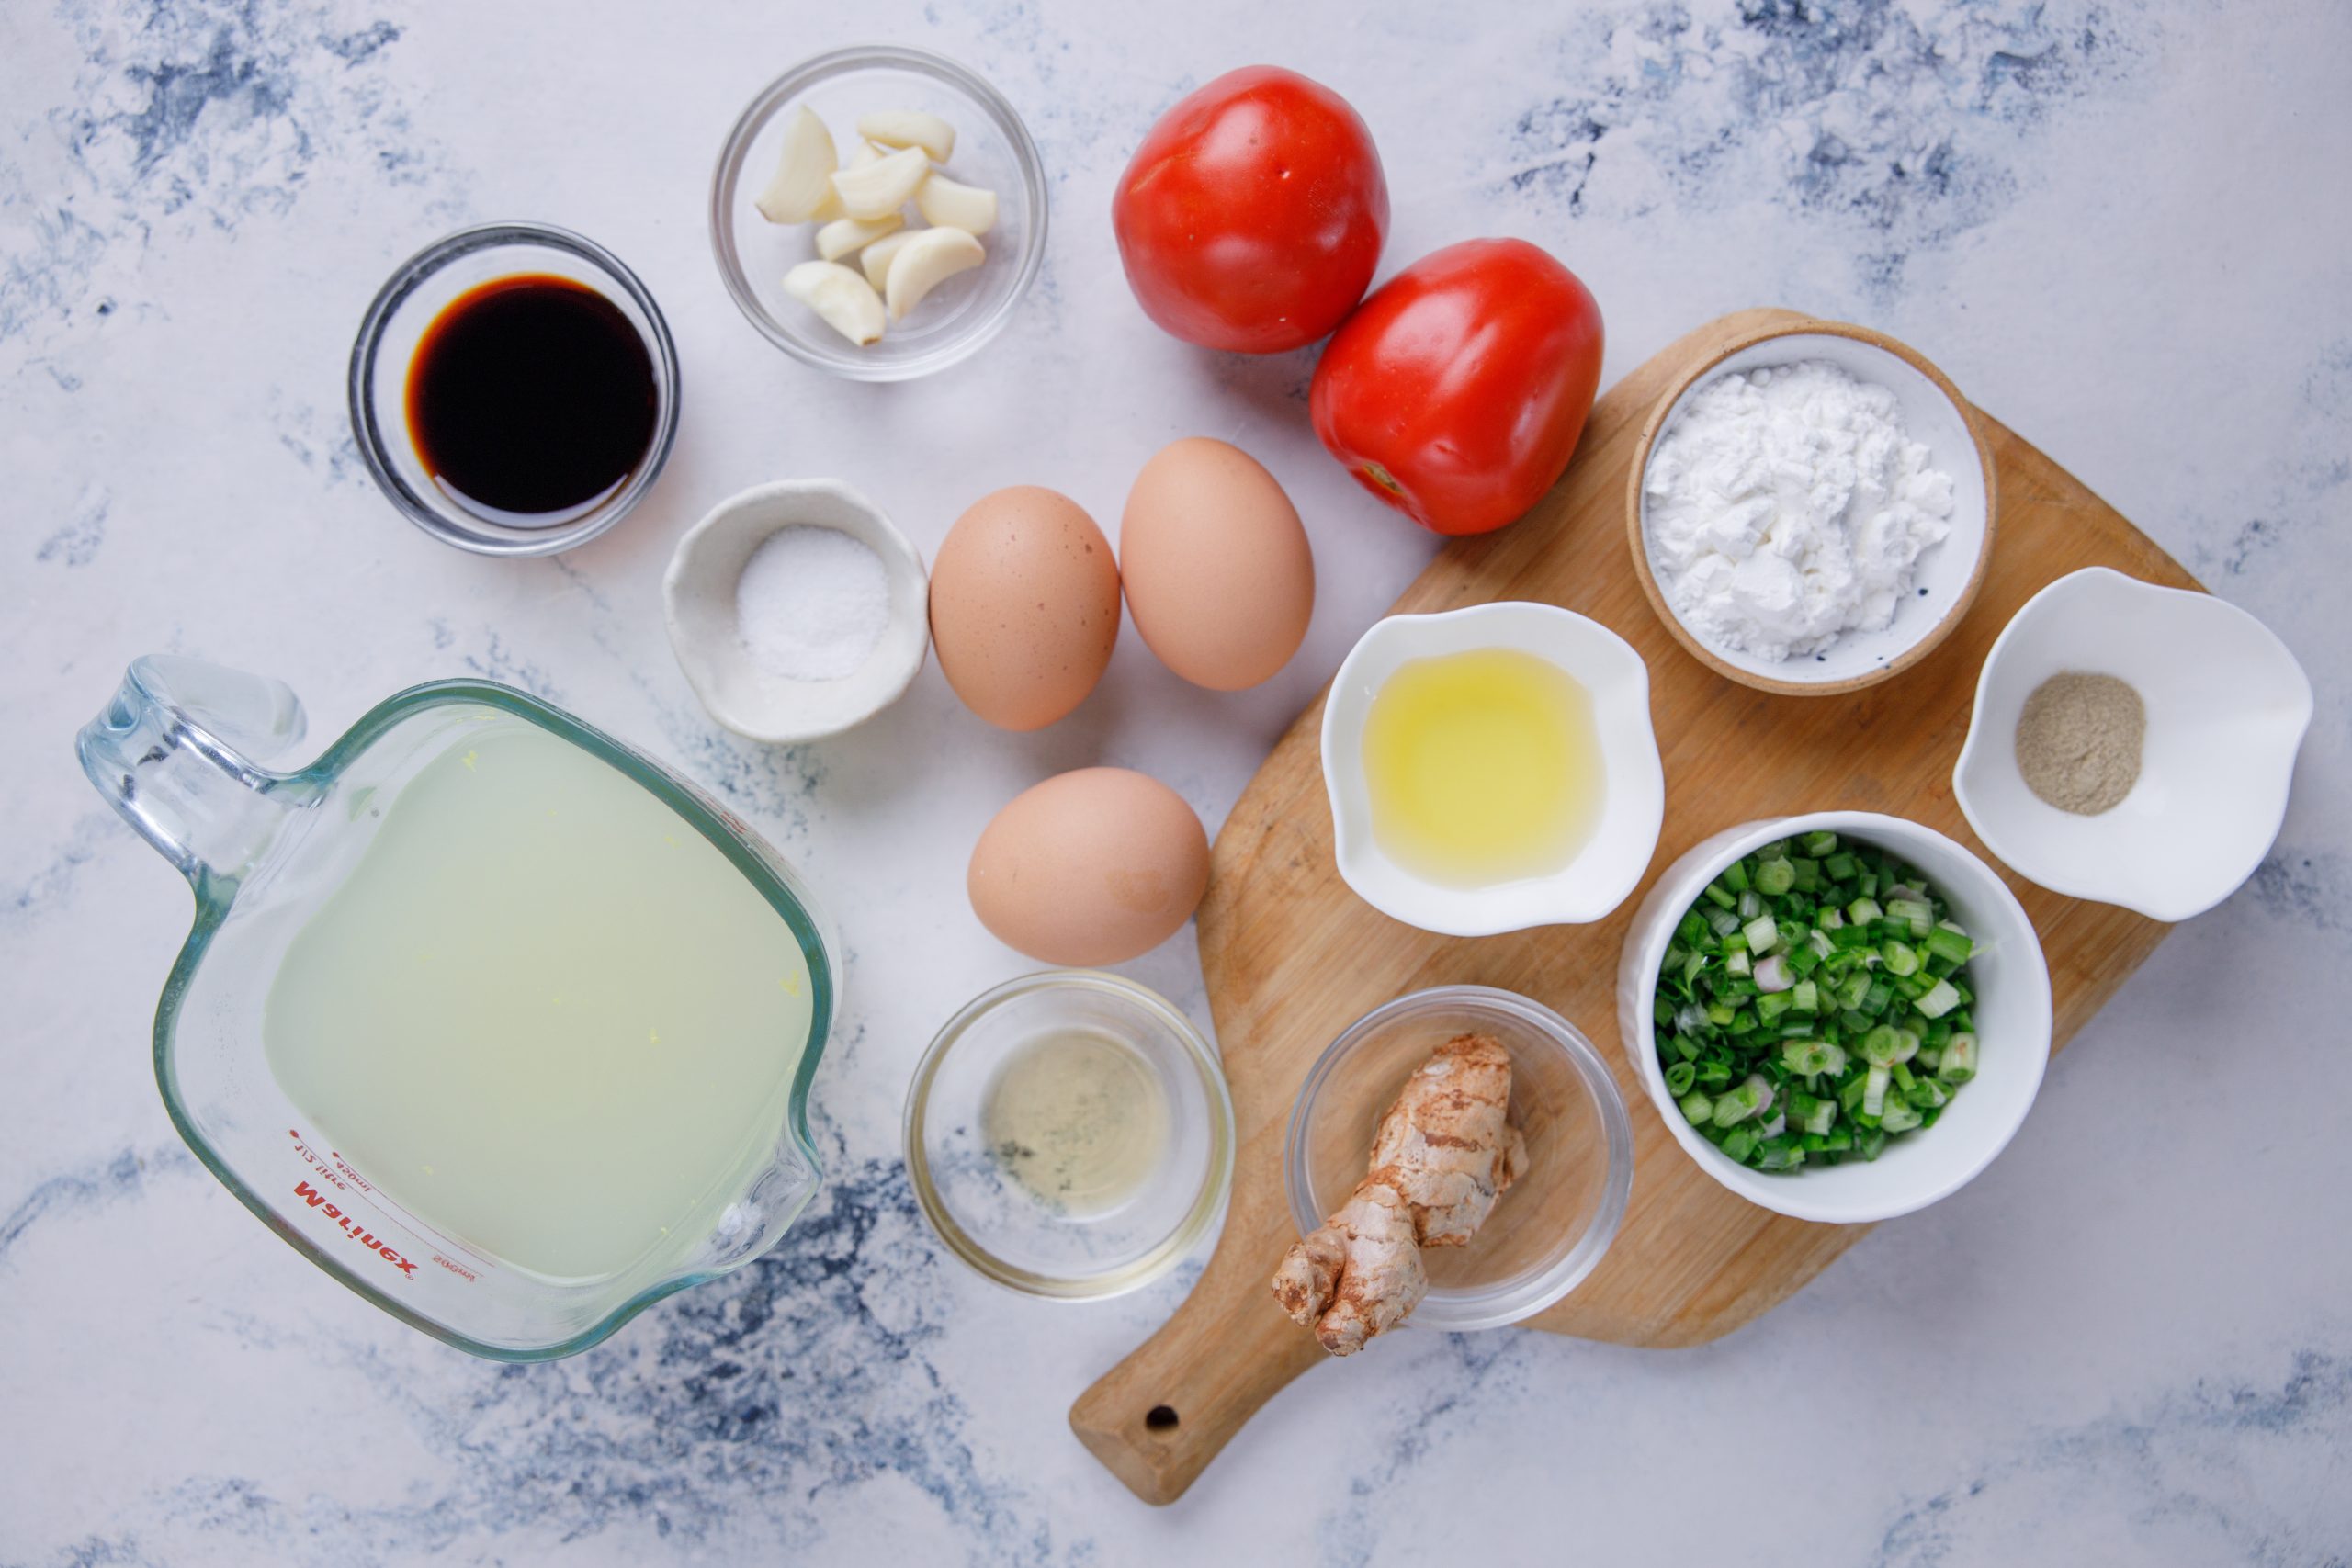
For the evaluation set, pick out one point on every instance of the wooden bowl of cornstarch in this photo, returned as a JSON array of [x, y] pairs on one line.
[[1810, 509]]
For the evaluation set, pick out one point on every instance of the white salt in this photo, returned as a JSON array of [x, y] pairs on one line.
[[812, 603]]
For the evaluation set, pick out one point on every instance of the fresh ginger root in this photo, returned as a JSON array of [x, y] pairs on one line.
[[1450, 1136], [1443, 1153], [1360, 1274]]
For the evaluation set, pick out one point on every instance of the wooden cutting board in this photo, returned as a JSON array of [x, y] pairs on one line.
[[1292, 956]]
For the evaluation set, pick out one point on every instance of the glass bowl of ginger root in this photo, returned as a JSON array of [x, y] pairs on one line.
[[1574, 1158]]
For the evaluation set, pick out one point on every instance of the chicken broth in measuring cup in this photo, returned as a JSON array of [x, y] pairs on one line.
[[542, 1014]]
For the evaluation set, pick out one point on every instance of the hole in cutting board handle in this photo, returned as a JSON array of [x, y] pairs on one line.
[[1161, 1418]]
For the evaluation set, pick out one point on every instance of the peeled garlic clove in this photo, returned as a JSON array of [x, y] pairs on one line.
[[845, 300], [876, 257], [830, 209], [884, 186], [804, 174], [909, 127], [843, 235], [945, 202], [925, 261]]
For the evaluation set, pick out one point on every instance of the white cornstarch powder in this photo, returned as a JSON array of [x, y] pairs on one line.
[[1787, 506], [812, 602]]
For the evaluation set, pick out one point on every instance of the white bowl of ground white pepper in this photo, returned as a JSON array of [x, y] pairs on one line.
[[2132, 744]]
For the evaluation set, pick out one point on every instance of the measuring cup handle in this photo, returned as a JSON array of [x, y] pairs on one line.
[[178, 751]]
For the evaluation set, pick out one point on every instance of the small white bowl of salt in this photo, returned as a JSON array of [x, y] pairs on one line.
[[797, 610]]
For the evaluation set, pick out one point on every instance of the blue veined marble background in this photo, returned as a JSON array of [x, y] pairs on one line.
[[2123, 228]]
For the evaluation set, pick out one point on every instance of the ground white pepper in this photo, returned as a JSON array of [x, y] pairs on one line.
[[2078, 741]]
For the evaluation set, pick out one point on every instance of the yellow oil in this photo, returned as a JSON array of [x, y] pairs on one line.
[[1483, 767]]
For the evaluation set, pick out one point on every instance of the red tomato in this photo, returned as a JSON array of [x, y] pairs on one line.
[[1251, 217], [1457, 393]]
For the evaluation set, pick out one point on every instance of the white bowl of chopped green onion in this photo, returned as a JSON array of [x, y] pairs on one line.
[[1842, 1016]]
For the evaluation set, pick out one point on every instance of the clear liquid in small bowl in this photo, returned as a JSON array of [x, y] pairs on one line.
[[1078, 1119]]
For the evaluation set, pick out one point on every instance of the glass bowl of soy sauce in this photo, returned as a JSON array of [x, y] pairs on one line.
[[513, 389]]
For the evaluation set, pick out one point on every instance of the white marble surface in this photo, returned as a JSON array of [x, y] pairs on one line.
[[2121, 227]]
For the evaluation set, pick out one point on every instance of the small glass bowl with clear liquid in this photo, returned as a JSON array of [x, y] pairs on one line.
[[1069, 1134]]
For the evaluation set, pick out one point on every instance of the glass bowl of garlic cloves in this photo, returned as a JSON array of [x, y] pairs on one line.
[[879, 212]]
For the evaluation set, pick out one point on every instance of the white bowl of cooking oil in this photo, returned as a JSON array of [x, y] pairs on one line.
[[1492, 768]]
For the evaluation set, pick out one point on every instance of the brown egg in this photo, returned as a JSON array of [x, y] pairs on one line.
[[1095, 866], [1024, 606], [1217, 567]]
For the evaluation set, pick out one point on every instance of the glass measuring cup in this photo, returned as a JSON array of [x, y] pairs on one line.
[[179, 752]]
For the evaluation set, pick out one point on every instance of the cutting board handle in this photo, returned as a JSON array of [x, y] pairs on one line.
[[1158, 1417]]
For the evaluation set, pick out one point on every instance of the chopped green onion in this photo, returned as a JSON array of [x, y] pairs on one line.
[[1959, 1063], [1949, 942], [1941, 998], [1913, 913], [1886, 1046], [1813, 1002], [1806, 1057], [1752, 1097]]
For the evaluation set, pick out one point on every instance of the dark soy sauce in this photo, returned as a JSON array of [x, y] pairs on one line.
[[533, 396]]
